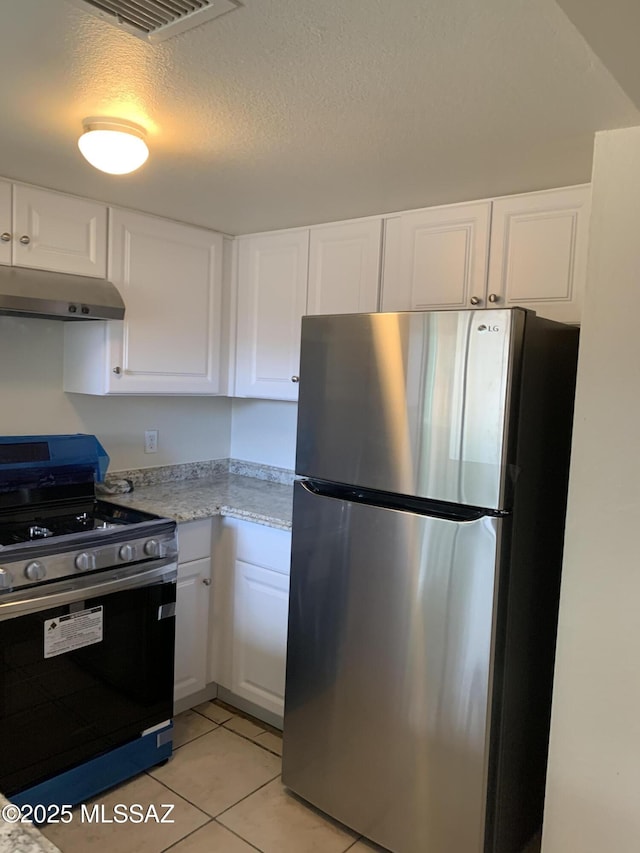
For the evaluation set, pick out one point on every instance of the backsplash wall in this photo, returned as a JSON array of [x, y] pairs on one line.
[[264, 431], [191, 429]]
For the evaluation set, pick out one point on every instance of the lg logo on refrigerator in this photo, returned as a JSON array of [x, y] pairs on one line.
[[484, 328]]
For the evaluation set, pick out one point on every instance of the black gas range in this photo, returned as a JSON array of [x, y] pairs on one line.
[[87, 625]]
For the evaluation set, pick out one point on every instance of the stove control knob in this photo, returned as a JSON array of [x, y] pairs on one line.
[[35, 571], [6, 579], [85, 561], [127, 553], [152, 548]]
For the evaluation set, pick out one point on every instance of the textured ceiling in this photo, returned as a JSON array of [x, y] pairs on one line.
[[612, 30], [288, 112]]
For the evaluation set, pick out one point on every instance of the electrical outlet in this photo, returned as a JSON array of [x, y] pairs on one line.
[[151, 441]]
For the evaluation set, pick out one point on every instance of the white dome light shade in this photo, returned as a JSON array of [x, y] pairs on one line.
[[113, 145]]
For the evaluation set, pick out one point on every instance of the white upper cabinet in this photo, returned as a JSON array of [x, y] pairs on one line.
[[58, 232], [5, 222], [330, 269], [539, 252], [437, 258], [344, 268], [169, 276], [528, 250], [272, 296]]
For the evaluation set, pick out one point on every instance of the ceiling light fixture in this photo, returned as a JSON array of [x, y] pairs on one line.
[[113, 145]]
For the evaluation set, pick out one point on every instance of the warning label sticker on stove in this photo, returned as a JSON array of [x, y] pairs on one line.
[[73, 631]]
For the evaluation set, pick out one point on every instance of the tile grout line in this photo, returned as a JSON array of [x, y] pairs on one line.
[[214, 818], [184, 837], [233, 832], [246, 797], [201, 810], [253, 740], [240, 715], [224, 726], [331, 820], [200, 714], [233, 732], [197, 737], [186, 799]]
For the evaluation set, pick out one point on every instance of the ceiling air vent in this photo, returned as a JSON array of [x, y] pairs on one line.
[[157, 20]]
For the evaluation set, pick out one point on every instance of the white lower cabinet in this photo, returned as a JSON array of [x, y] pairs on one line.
[[251, 593], [261, 603], [232, 604], [192, 608]]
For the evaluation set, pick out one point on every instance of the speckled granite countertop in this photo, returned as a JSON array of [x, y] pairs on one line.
[[22, 837], [235, 495]]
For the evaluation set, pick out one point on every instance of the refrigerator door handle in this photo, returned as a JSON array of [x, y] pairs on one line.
[[403, 503]]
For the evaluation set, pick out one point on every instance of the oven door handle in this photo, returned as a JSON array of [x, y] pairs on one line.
[[104, 583]]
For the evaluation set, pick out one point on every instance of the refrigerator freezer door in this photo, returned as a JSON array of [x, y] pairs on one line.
[[388, 671], [413, 403]]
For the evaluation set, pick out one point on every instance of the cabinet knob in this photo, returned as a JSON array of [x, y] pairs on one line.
[[5, 237], [475, 300], [206, 581], [117, 371], [493, 297], [295, 379], [25, 240]]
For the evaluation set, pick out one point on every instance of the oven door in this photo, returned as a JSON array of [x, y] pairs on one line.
[[85, 666]]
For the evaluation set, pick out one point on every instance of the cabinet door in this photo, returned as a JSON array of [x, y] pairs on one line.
[[441, 261], [272, 294], [170, 278], [261, 603], [344, 268], [58, 232], [6, 230], [539, 252], [192, 625]]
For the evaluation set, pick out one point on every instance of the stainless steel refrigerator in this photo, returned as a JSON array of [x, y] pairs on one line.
[[427, 544]]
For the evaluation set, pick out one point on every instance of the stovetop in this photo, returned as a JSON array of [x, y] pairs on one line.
[[41, 544], [52, 526], [38, 523]]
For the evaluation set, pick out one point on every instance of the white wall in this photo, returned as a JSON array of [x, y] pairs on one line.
[[264, 431], [191, 429], [593, 784]]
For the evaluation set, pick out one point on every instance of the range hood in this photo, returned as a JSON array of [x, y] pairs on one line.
[[39, 293]]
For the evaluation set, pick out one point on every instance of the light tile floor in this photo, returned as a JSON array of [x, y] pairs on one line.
[[224, 784]]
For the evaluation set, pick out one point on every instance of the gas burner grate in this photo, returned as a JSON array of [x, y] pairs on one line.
[[37, 528]]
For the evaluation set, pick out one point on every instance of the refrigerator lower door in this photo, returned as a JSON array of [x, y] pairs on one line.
[[389, 670]]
